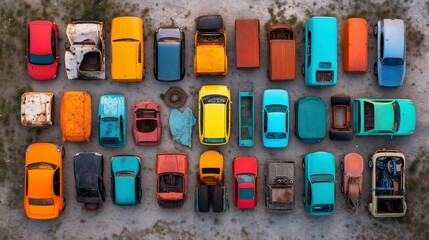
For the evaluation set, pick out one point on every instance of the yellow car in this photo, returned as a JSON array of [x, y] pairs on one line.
[[127, 49], [43, 185], [214, 114]]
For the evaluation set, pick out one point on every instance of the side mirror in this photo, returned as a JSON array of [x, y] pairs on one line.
[[67, 45]]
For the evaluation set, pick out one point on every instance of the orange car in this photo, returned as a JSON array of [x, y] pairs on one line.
[[75, 113], [355, 45], [43, 185]]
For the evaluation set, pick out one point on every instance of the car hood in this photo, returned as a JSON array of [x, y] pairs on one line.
[[391, 76], [408, 117], [245, 164], [320, 163], [90, 33], [275, 96], [171, 163]]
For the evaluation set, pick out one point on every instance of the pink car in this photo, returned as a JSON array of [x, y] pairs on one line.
[[147, 124], [352, 169]]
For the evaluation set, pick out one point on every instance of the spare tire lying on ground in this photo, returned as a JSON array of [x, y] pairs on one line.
[[209, 23], [175, 97]]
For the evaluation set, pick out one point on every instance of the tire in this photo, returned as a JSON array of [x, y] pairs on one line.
[[340, 99], [370, 163], [217, 199], [175, 97], [340, 135], [302, 70], [63, 153], [91, 206], [64, 205], [103, 196], [342, 187], [203, 198], [342, 166], [67, 45], [375, 30], [303, 35], [376, 70], [209, 23], [303, 164]]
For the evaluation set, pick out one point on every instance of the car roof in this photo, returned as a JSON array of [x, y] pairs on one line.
[[40, 183], [323, 39], [323, 193], [215, 122], [40, 37], [87, 169], [169, 60], [394, 38], [311, 118]]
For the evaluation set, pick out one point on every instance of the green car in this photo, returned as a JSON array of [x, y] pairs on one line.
[[382, 116], [319, 183]]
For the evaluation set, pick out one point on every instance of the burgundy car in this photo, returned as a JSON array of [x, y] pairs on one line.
[[42, 50], [245, 182], [147, 124]]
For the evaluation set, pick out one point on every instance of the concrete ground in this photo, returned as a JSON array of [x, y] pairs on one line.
[[148, 220]]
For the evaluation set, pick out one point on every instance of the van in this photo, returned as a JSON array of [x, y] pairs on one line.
[[281, 52], [75, 114], [320, 52], [355, 45]]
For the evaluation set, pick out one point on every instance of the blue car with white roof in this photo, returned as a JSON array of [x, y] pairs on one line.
[[126, 180], [391, 52], [112, 121], [169, 54], [275, 118]]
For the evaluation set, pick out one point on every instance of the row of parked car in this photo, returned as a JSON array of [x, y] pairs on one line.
[[44, 197], [85, 50], [371, 116]]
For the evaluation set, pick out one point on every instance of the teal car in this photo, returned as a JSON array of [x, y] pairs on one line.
[[383, 116], [112, 121], [310, 119], [275, 118], [319, 183], [126, 180], [320, 52]]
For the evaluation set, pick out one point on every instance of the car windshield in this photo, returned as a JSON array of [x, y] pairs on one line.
[[246, 193], [276, 108], [323, 208], [86, 192], [109, 140], [214, 140], [214, 99], [397, 115], [393, 61], [125, 174], [41, 201], [169, 40], [316, 178], [276, 135], [41, 59], [42, 165], [125, 40], [110, 119], [211, 170], [246, 178]]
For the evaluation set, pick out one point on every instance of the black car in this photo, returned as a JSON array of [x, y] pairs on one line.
[[88, 174]]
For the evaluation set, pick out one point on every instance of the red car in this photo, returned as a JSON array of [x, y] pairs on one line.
[[245, 182], [147, 124], [42, 50]]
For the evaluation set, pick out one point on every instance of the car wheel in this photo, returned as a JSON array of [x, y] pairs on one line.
[[91, 206], [63, 153], [375, 30], [342, 187], [342, 166], [303, 35], [341, 135], [209, 23], [203, 198], [303, 164], [303, 70], [217, 199], [64, 204], [376, 70], [370, 163], [303, 199], [340, 99], [175, 97]]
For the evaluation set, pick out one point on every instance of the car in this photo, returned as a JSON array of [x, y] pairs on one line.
[[247, 43], [171, 179], [210, 47], [75, 116], [43, 184], [310, 119], [125, 179], [352, 173], [279, 185], [383, 117], [275, 118], [245, 169], [387, 184], [147, 126], [42, 50], [127, 49], [355, 46], [85, 55], [319, 183], [282, 52], [320, 52], [214, 114], [391, 52], [37, 109], [169, 54], [112, 120], [88, 175], [340, 128]]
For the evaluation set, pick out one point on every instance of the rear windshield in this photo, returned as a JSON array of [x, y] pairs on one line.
[[323, 208], [109, 140], [393, 61], [276, 108], [41, 59], [211, 170], [214, 140], [41, 201], [246, 178], [214, 99], [83, 192], [246, 193]]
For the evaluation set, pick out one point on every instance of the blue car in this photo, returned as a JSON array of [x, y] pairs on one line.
[[319, 183], [126, 180], [391, 52], [112, 121], [169, 54], [275, 118]]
